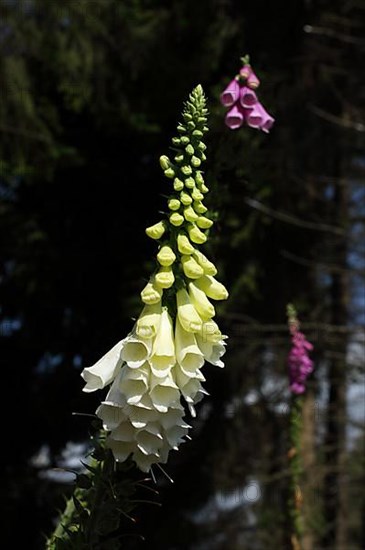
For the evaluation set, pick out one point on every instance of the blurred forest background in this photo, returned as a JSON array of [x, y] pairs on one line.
[[91, 92]]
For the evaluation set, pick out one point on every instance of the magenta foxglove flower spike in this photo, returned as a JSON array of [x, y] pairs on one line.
[[299, 363], [231, 94], [244, 104], [234, 118]]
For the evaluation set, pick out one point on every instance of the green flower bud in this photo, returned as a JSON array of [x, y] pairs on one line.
[[202, 156], [195, 161], [169, 173], [186, 170], [166, 256], [196, 235], [164, 277], [189, 149], [176, 219], [151, 294], [208, 266], [212, 288], [181, 129], [202, 146], [165, 162], [176, 140], [156, 231], [199, 207], [190, 215], [189, 183], [187, 116], [203, 222], [191, 125], [185, 198], [184, 245], [184, 140], [198, 133], [179, 159], [191, 267], [178, 184], [174, 204], [203, 188], [197, 195]]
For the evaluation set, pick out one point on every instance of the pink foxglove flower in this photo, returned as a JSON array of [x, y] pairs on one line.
[[234, 118], [245, 107], [299, 363], [231, 94]]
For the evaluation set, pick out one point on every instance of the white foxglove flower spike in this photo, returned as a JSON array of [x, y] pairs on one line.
[[156, 371]]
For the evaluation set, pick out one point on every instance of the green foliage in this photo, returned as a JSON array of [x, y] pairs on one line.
[[102, 498]]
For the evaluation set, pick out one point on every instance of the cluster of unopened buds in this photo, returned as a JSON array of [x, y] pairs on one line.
[[156, 370], [245, 108]]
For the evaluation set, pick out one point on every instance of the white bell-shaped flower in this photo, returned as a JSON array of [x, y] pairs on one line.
[[188, 354], [163, 351], [149, 321], [136, 351], [140, 417], [164, 392], [104, 371], [124, 432], [212, 351], [134, 383], [121, 449]]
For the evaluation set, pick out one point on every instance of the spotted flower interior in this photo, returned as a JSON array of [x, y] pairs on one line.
[[155, 373]]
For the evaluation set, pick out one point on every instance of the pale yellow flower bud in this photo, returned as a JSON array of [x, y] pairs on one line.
[[188, 316], [169, 173], [174, 204], [149, 321], [191, 267], [185, 198], [208, 266], [212, 288], [184, 245], [151, 294], [166, 256], [178, 184], [199, 207], [203, 188], [165, 162], [157, 230], [165, 277], [201, 303], [199, 178], [197, 195], [176, 219], [190, 215], [196, 235], [204, 223], [189, 183]]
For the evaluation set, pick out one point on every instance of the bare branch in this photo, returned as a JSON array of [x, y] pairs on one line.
[[358, 126], [293, 220]]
